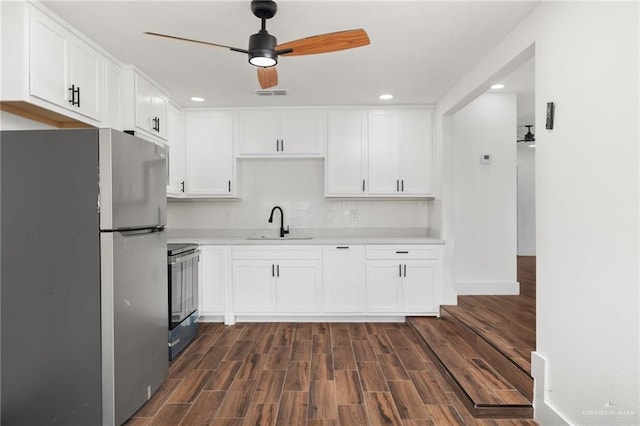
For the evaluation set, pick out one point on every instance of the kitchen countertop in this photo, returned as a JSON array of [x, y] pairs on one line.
[[304, 236]]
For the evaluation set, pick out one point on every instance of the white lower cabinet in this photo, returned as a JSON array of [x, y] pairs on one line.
[[214, 267], [383, 286], [407, 287], [315, 281], [276, 279], [298, 285], [403, 279], [254, 286], [343, 279]]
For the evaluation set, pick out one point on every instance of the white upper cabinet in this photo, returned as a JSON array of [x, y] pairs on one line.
[[150, 107], [63, 69], [416, 153], [346, 161], [210, 160], [176, 152], [113, 90], [384, 153], [400, 153], [48, 58], [286, 133], [379, 153]]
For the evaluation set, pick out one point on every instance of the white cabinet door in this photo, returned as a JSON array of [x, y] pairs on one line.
[[213, 279], [150, 107], [113, 93], [48, 59], [416, 153], [176, 153], [298, 286], [159, 105], [87, 75], [210, 162], [300, 132], [253, 286], [384, 153], [346, 160], [383, 286], [418, 286], [259, 132], [280, 133], [63, 69], [343, 279]]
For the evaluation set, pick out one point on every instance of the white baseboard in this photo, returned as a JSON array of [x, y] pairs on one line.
[[543, 412], [479, 288], [526, 251]]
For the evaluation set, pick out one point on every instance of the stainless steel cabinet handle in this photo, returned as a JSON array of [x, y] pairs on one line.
[[342, 247], [402, 252], [229, 186], [277, 145], [282, 145], [362, 185], [402, 185], [277, 270], [397, 185], [400, 270], [182, 186], [405, 270], [273, 270], [175, 342]]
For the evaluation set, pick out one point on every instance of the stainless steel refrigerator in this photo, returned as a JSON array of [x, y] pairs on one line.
[[83, 276]]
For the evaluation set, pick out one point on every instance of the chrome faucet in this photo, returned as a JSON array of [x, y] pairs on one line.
[[282, 230]]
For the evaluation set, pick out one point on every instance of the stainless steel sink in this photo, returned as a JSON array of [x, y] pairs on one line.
[[285, 238]]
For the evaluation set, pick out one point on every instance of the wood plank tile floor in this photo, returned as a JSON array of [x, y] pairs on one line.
[[306, 374], [507, 322]]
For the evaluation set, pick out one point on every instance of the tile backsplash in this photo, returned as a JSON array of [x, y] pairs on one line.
[[296, 185]]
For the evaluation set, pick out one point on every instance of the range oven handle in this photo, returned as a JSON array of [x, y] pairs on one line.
[[179, 259]]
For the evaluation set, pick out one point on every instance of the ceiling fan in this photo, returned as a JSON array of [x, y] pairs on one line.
[[264, 50], [528, 137]]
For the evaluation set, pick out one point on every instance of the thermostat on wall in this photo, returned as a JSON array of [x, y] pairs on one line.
[[486, 159]]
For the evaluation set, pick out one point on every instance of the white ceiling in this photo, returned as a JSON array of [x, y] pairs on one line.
[[418, 50]]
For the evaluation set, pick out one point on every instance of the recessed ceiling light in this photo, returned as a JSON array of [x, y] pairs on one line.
[[497, 86], [386, 97], [197, 99]]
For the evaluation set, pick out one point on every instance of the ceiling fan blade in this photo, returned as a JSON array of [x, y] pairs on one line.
[[267, 77], [235, 49], [325, 43]]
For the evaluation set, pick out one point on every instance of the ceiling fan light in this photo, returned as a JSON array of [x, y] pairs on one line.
[[261, 49], [262, 61]]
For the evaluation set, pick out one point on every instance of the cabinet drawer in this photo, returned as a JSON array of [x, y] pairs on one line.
[[394, 252], [273, 252]]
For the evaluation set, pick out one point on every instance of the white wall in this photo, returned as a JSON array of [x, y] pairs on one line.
[[10, 121], [587, 193], [484, 196], [526, 199], [296, 185]]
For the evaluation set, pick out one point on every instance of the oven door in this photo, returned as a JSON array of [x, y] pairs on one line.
[[183, 288]]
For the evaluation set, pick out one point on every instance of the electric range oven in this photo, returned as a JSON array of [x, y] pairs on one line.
[[183, 261]]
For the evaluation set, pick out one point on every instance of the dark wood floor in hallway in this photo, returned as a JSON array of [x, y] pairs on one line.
[[306, 374]]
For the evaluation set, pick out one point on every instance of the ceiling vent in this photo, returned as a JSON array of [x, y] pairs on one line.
[[274, 92]]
